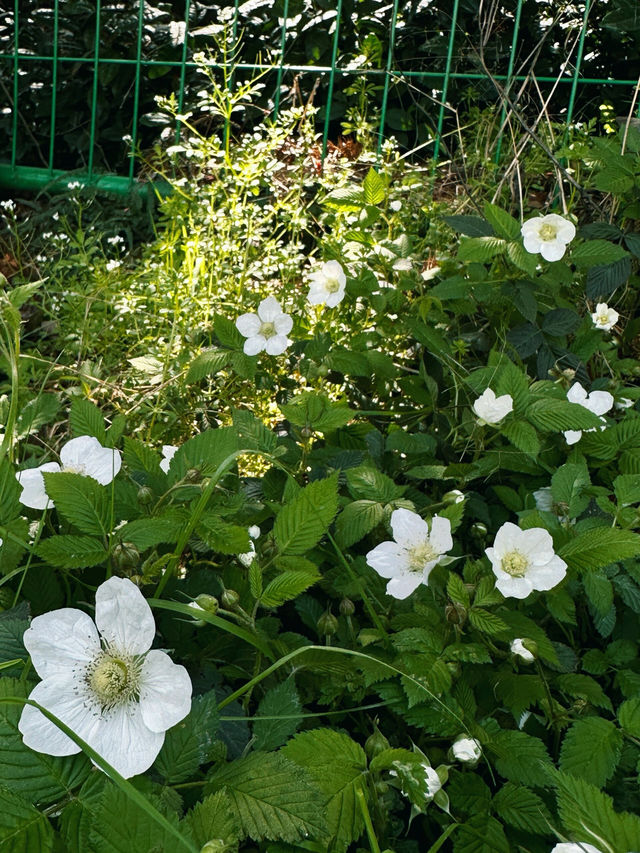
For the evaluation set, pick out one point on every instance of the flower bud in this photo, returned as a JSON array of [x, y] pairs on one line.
[[524, 648], [216, 845], [479, 530], [207, 602], [230, 598], [327, 624], [467, 750], [376, 743], [455, 496], [145, 495], [347, 607], [125, 556], [455, 613], [193, 475]]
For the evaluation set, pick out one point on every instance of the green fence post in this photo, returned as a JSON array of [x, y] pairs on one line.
[[576, 73], [136, 92], [94, 96], [332, 75], [445, 85], [183, 64], [283, 39], [387, 77], [54, 85], [512, 59], [14, 117]]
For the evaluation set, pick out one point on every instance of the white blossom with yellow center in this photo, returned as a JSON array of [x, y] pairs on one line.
[[604, 317], [267, 330], [548, 236], [103, 682], [524, 560], [83, 455], [327, 285], [409, 560]]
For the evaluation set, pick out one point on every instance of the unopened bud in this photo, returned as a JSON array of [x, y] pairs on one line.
[[193, 475], [216, 845], [455, 613], [455, 496], [125, 556], [327, 624], [207, 602], [376, 743], [145, 495], [347, 607], [230, 598], [479, 530]]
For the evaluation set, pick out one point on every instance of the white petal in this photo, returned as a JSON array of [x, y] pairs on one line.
[[334, 299], [552, 250], [599, 402], [532, 243], [123, 616], [283, 324], [168, 452], [409, 529], [254, 345], [269, 309], [248, 325], [60, 697], [402, 586], [577, 394], [440, 536], [572, 436], [566, 229], [60, 640], [123, 739], [536, 543], [531, 227], [333, 270], [549, 575], [87, 455], [513, 587], [388, 559], [507, 538], [33, 494], [317, 294], [165, 692], [277, 344]]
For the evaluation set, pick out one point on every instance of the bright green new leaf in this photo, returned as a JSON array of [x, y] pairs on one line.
[[303, 521]]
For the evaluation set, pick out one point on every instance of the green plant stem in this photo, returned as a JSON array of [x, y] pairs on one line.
[[371, 835]]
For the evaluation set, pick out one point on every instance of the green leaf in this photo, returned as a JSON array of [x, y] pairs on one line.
[[139, 457], [567, 487], [120, 825], [603, 280], [188, 744], [227, 333], [316, 412], [81, 500], [301, 523], [588, 815], [10, 489], [86, 419], [629, 716], [556, 415], [520, 757], [253, 434], [591, 749], [599, 590], [627, 489], [600, 547], [272, 797], [223, 537], [23, 829], [480, 249], [72, 552], [503, 224], [470, 226], [526, 339], [337, 765], [583, 687], [356, 520], [596, 252], [36, 413], [208, 363], [522, 808], [481, 834], [560, 322], [148, 532], [374, 187], [205, 452], [522, 435], [287, 586], [213, 818], [523, 260], [281, 702], [486, 622], [456, 589], [367, 483]]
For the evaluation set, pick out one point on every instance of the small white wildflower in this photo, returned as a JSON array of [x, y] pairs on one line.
[[604, 317], [327, 285], [520, 650], [491, 409], [467, 750], [524, 560], [254, 531], [113, 265], [266, 330], [548, 235], [598, 402], [168, 452]]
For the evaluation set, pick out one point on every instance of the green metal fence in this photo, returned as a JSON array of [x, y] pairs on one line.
[[18, 63]]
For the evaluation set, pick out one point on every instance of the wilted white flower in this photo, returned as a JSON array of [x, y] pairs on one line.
[[604, 317], [524, 560], [491, 409], [433, 781], [168, 452], [249, 556], [518, 648], [582, 847], [103, 682], [416, 551], [430, 272], [597, 402], [548, 235], [266, 330], [467, 749], [83, 455], [327, 285], [623, 403]]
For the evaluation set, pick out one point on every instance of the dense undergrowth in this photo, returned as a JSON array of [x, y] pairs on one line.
[[362, 680]]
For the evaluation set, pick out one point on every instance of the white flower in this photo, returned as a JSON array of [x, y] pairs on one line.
[[597, 402], [327, 285], [409, 560], [249, 556], [266, 330], [524, 560], [83, 455], [548, 235], [544, 499], [168, 452], [518, 648], [604, 317], [113, 265], [491, 409], [103, 682], [254, 531], [582, 847], [433, 781], [466, 749]]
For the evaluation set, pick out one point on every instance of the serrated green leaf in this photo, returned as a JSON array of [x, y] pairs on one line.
[[520, 757], [583, 687], [503, 223], [301, 523], [480, 249], [560, 321], [337, 765], [85, 418], [213, 818], [591, 749], [139, 457], [367, 483], [456, 590], [596, 252], [253, 434], [72, 552], [223, 537], [526, 262], [480, 834], [485, 621], [522, 435], [82, 501], [556, 415], [522, 808], [313, 411], [10, 489], [627, 489], [629, 716], [208, 363], [272, 797], [374, 187], [287, 586], [148, 532], [205, 452], [599, 547], [603, 280], [356, 520], [470, 226], [35, 414], [23, 829], [281, 702], [599, 590], [567, 487], [187, 745]]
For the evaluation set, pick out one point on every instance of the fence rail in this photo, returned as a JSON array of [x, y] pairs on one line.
[[19, 62]]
